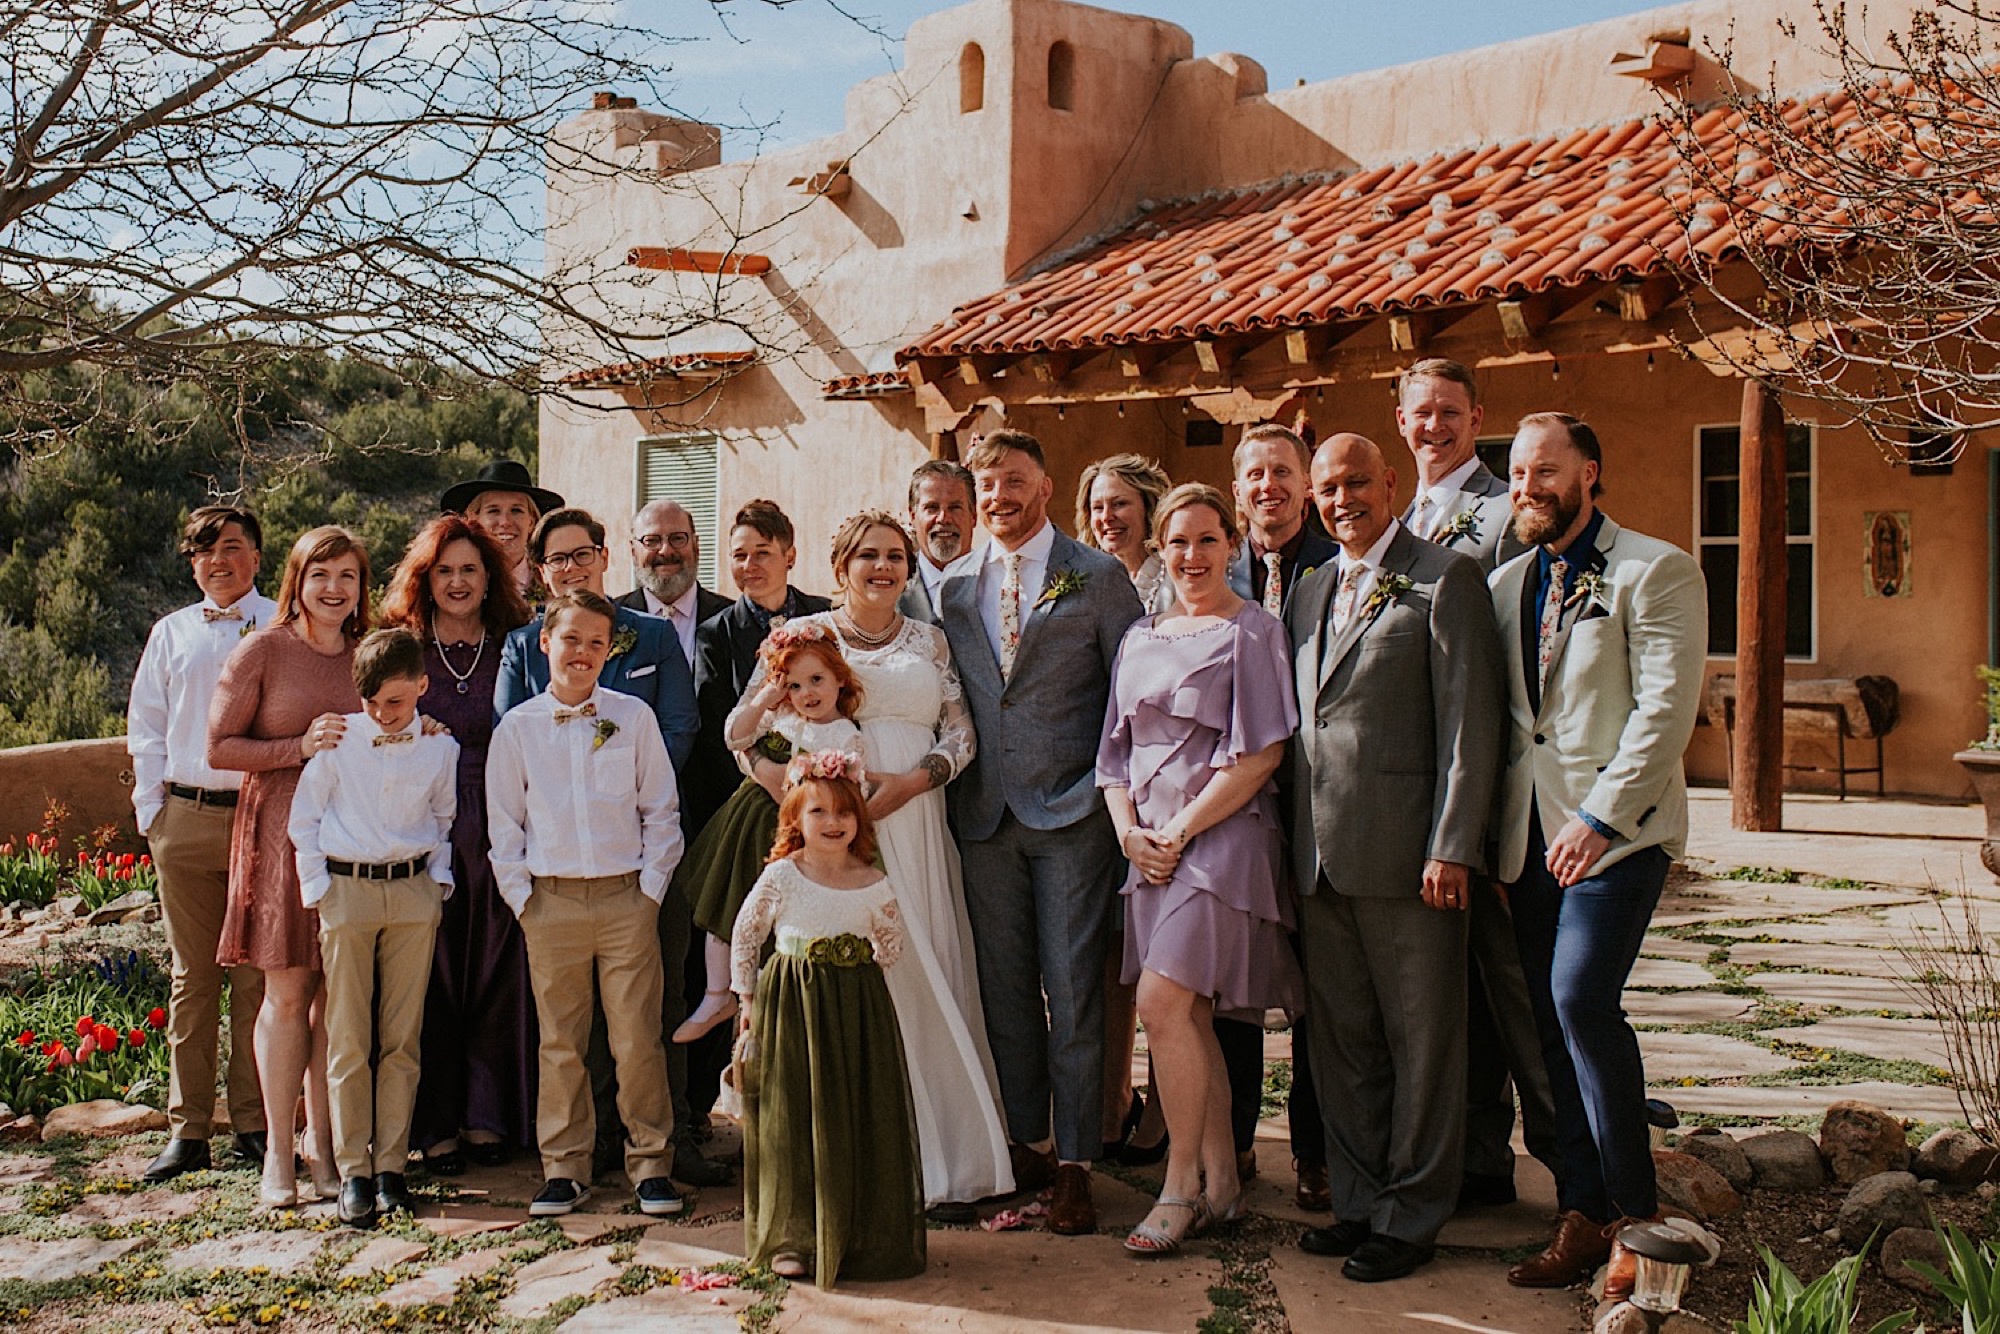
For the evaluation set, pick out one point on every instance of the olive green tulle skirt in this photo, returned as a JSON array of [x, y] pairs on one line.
[[830, 1165], [728, 855]]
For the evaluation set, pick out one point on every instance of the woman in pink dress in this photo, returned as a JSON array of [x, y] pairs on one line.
[[1201, 707], [280, 701]]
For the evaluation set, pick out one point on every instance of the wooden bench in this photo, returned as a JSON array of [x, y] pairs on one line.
[[1836, 709]]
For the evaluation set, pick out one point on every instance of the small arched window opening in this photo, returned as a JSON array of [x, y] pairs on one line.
[[971, 78], [1062, 76]]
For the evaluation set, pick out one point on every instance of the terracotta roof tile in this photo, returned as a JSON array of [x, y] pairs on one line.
[[682, 365], [1603, 203], [880, 384]]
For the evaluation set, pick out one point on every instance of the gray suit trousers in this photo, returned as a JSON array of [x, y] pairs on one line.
[[1040, 903], [1503, 1050], [1386, 984]]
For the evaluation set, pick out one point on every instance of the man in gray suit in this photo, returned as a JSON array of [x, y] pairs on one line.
[[1462, 506], [1399, 681], [1034, 628], [941, 502]]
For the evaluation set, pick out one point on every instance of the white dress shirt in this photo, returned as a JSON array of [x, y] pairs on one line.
[[1440, 493], [681, 613], [1371, 565], [935, 575], [166, 723], [557, 804], [1034, 554], [361, 802]]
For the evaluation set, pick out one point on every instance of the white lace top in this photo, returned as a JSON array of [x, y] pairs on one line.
[[796, 908], [803, 734]]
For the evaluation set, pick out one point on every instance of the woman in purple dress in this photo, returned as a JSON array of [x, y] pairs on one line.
[[1201, 707], [478, 1085]]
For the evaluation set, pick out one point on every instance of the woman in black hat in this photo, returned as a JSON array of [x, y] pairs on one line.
[[504, 500]]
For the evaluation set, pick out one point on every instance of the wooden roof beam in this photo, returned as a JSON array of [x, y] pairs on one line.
[[675, 259]]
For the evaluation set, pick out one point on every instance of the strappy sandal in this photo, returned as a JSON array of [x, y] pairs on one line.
[[1206, 1218], [1153, 1241]]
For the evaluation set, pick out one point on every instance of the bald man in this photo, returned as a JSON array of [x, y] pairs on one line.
[[666, 559], [1403, 706]]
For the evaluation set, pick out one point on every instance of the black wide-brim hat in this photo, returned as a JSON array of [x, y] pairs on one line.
[[498, 475]]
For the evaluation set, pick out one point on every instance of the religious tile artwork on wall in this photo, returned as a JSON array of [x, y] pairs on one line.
[[1886, 553]]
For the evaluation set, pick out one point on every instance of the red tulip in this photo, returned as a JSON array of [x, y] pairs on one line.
[[27, 1038], [156, 1018], [107, 1037], [85, 1026], [136, 1038], [61, 1057], [145, 859]]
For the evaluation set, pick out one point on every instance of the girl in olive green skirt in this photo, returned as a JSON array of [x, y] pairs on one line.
[[832, 1181]]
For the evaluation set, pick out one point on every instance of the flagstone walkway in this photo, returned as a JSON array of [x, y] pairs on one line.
[[1767, 989]]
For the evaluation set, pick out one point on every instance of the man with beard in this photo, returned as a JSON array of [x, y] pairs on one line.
[[941, 500], [666, 553], [1604, 631]]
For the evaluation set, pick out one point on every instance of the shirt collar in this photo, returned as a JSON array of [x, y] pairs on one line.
[[682, 606], [1287, 553], [1032, 552], [1371, 559], [1577, 553], [763, 618], [933, 575], [595, 697], [1452, 481]]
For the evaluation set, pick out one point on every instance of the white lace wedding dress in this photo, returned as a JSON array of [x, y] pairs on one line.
[[912, 706]]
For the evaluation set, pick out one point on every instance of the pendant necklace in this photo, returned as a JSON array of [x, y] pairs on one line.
[[456, 675]]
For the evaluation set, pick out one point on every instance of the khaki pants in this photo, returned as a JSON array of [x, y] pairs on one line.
[[605, 926], [190, 846], [375, 942]]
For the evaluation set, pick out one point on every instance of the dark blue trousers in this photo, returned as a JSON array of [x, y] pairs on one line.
[[1577, 948]]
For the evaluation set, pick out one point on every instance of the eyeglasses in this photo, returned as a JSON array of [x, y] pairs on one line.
[[583, 558], [654, 541]]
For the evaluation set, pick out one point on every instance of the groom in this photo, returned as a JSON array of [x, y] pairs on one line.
[[1033, 627]]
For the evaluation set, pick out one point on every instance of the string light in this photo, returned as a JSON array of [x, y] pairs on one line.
[[1121, 410], [1060, 414], [1649, 363], [1555, 369]]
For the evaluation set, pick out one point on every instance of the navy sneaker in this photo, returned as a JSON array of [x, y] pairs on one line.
[[559, 1196], [657, 1196]]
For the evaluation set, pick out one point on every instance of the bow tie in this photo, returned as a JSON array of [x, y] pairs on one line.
[[391, 738], [209, 614], [580, 711]]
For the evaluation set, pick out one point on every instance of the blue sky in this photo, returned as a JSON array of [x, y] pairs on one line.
[[787, 67]]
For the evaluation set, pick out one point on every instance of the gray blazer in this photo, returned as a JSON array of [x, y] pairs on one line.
[[1038, 729], [1314, 552], [1490, 539], [1402, 716], [916, 600]]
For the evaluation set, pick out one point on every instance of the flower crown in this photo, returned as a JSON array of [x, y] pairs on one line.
[[825, 764], [792, 633]]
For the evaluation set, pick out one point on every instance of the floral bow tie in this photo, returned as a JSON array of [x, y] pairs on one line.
[[212, 614], [392, 738], [580, 711]]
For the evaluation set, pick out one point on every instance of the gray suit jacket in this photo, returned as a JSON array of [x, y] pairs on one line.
[[1610, 727], [916, 601], [1039, 728], [1314, 552], [1490, 539], [1401, 715]]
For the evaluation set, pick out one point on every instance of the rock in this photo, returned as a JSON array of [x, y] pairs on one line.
[[102, 1118], [1688, 1183], [1879, 1205], [553, 1278], [1722, 1153], [1620, 1318], [1784, 1160], [1859, 1140], [22, 1130], [64, 1257], [68, 905], [279, 1252], [149, 913], [1906, 1244], [1957, 1158], [115, 910], [383, 1253]]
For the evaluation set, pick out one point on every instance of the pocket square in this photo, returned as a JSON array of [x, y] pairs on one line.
[[647, 670]]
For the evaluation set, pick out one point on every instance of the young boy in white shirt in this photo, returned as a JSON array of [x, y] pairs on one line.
[[371, 825], [584, 818]]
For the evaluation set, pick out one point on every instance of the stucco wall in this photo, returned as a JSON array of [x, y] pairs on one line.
[[92, 778]]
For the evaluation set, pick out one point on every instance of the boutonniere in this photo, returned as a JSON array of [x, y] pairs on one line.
[[1590, 587], [1464, 524], [1060, 585], [605, 730], [1389, 586], [624, 641], [248, 626]]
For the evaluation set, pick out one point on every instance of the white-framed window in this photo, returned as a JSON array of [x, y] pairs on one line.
[[685, 469], [1718, 535]]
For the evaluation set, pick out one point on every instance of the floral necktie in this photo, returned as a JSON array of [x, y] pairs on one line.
[[1010, 613], [1343, 602], [1552, 610], [1274, 583], [1425, 519]]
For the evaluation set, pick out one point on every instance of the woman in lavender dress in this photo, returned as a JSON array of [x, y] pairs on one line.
[[453, 590], [1201, 707]]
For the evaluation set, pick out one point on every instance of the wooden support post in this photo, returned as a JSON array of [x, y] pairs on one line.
[[1758, 771]]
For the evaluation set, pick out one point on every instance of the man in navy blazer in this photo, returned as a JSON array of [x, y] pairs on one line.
[[646, 661]]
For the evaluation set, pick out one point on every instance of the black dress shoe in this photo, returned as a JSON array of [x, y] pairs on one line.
[[494, 1153], [450, 1163], [952, 1213], [357, 1202], [392, 1194], [1382, 1258], [1342, 1238], [694, 1168], [180, 1155], [1489, 1189], [251, 1146]]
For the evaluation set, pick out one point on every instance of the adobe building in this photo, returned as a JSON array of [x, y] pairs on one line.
[[1061, 218]]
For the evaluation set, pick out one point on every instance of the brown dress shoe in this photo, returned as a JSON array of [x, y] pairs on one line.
[[1246, 1166], [1315, 1195], [1034, 1169], [1580, 1246], [1623, 1269], [1072, 1212]]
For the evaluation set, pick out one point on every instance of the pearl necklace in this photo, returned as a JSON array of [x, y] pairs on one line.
[[456, 675], [862, 638]]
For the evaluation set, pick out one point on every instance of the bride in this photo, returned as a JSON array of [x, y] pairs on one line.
[[918, 736]]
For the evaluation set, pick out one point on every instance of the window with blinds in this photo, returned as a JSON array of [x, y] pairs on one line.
[[683, 468]]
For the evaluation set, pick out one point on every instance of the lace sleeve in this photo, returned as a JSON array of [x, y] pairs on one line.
[[886, 931], [956, 741], [754, 923]]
